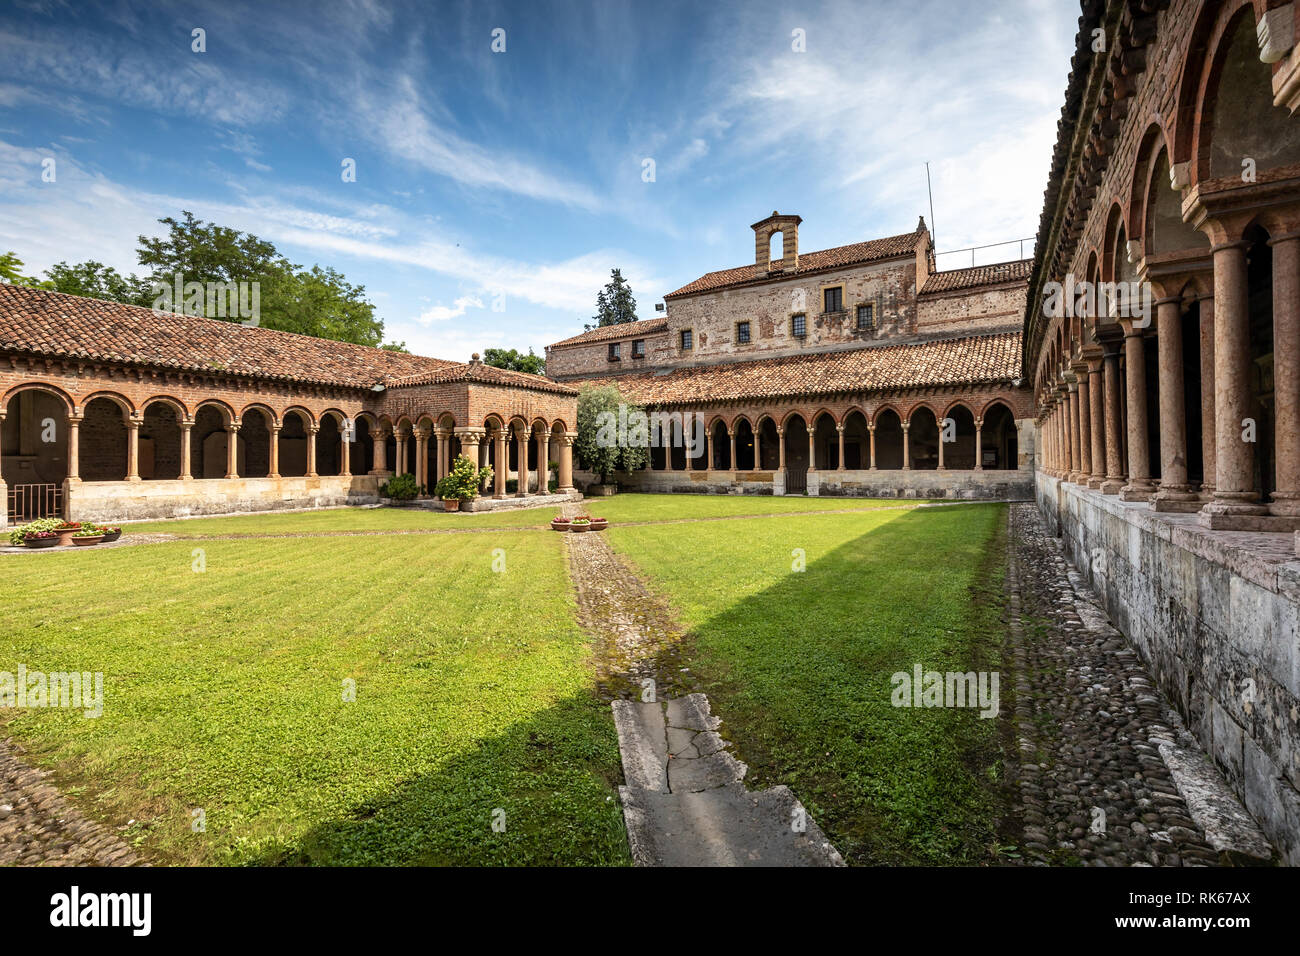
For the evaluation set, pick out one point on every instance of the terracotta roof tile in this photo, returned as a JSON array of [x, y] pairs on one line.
[[971, 360], [809, 262], [622, 330], [59, 325], [955, 279]]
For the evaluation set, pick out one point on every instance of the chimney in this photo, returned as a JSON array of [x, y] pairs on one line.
[[788, 227], [924, 255]]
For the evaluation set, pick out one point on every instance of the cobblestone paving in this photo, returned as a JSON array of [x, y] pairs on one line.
[[38, 827], [1092, 787]]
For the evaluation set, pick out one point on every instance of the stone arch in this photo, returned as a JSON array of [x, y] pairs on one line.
[[999, 439], [826, 441], [959, 453], [34, 467], [769, 443], [1163, 228], [797, 461], [256, 432], [160, 439], [104, 439], [718, 432], [745, 444], [923, 438], [209, 437], [889, 438], [857, 439], [329, 443], [294, 427], [1114, 229]]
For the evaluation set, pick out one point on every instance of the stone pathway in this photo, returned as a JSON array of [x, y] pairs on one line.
[[1106, 771], [38, 827]]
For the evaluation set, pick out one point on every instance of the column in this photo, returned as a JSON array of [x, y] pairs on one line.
[[275, 450], [312, 431], [780, 448], [871, 430], [840, 463], [379, 449], [232, 450], [566, 462], [731, 434], [1072, 428], [345, 455], [440, 452], [4, 488], [503, 464], [543, 472], [1085, 424], [521, 444], [758, 448], [1234, 479], [132, 448], [812, 448], [979, 444], [1286, 373], [1110, 385], [469, 442], [401, 433], [940, 466], [422, 460], [1097, 426], [1139, 487], [74, 448], [1208, 436], [186, 467], [907, 446], [1175, 493]]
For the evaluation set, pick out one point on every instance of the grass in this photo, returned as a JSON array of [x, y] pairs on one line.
[[798, 664], [223, 691], [626, 507]]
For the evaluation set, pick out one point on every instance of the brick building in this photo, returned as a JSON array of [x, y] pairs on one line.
[[829, 372], [1170, 434], [113, 412]]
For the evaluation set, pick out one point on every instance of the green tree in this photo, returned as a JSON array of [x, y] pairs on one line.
[[205, 252], [10, 265], [601, 452], [614, 303], [97, 281], [515, 361]]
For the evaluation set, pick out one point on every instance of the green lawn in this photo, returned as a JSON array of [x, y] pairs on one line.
[[627, 507], [223, 691], [799, 664]]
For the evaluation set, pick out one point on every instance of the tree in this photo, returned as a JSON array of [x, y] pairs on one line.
[[515, 361], [603, 449], [614, 303], [98, 281], [10, 265], [205, 252]]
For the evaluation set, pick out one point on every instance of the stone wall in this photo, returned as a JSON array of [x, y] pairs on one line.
[[146, 500], [1216, 617], [964, 311]]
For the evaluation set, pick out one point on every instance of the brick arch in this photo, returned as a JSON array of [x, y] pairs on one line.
[[887, 407], [540, 421], [267, 410], [121, 401], [923, 404], [794, 413], [176, 405], [220, 405], [1114, 222], [337, 413], [824, 411], [956, 403], [1154, 141], [718, 417], [992, 403], [68, 402], [308, 418]]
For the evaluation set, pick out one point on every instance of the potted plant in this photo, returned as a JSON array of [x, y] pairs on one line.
[[66, 530], [87, 536], [462, 482], [559, 523], [42, 539], [111, 533], [582, 523], [18, 534], [599, 524], [402, 489]]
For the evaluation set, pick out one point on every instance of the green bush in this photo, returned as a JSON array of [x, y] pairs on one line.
[[553, 485], [400, 488], [512, 485], [17, 534], [464, 479]]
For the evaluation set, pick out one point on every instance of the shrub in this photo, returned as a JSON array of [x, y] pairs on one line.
[[400, 488], [40, 525], [512, 485], [553, 485], [464, 479]]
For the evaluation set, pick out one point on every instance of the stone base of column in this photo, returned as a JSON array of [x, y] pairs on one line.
[[1178, 499], [1137, 491], [1284, 505], [1206, 492], [1217, 521], [1112, 486], [1075, 478], [1096, 482]]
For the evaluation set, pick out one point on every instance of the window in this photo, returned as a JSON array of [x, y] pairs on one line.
[[798, 326], [833, 299], [615, 350], [742, 333], [866, 317], [638, 348], [688, 340]]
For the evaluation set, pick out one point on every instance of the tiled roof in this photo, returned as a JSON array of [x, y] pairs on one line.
[[58, 325], [483, 374], [955, 279], [971, 360], [622, 330], [809, 262]]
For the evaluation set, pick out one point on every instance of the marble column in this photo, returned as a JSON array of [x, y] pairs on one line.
[[503, 464], [133, 449], [1097, 424], [232, 450], [1209, 438], [1084, 399], [839, 465], [74, 447], [907, 447], [871, 430], [1140, 487], [1175, 493], [187, 472], [979, 444], [275, 450], [566, 462], [521, 449], [1114, 461], [1286, 374]]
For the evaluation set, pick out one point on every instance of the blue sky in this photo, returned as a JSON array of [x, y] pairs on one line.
[[494, 191]]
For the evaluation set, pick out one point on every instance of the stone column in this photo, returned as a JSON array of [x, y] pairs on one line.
[[1085, 423], [731, 435], [1072, 425], [812, 449], [1114, 467], [422, 459], [1234, 480], [979, 444], [566, 461], [1139, 487], [503, 464], [521, 449], [275, 450], [758, 450], [1175, 493], [469, 443], [380, 450], [543, 469], [907, 446], [1208, 437], [74, 449], [780, 448], [871, 430], [1097, 424], [940, 466], [401, 433], [1286, 373], [345, 454], [132, 448], [840, 462], [439, 452], [187, 473], [708, 450], [312, 431], [232, 450]]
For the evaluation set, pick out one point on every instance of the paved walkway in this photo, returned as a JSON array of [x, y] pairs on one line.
[[38, 827]]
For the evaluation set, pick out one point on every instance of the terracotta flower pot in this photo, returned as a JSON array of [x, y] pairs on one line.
[[598, 524], [579, 527], [451, 504], [65, 535], [86, 541], [559, 525]]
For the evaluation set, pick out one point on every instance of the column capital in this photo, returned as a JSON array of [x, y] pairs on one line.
[[233, 427], [478, 434]]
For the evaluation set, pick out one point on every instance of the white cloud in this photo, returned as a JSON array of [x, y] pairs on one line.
[[441, 313]]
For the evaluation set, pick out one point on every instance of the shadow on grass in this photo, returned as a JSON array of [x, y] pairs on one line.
[[801, 674], [551, 780]]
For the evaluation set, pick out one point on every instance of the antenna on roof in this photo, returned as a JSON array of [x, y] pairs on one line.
[[931, 195]]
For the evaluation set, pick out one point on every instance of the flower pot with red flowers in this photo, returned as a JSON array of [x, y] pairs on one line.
[[111, 534], [559, 523], [41, 539], [87, 537], [599, 524], [580, 524], [67, 530]]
